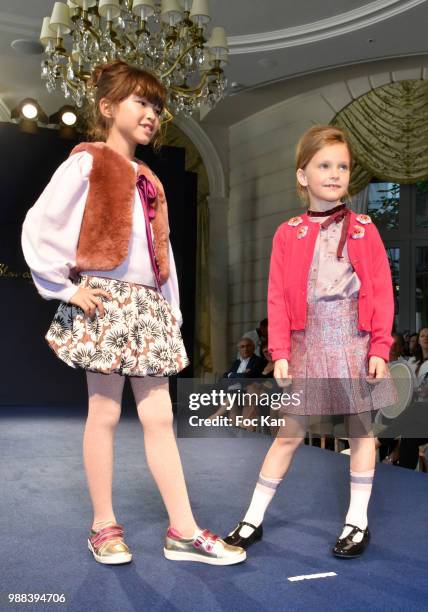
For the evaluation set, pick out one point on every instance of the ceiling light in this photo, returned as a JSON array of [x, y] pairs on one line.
[[29, 110], [66, 117], [69, 118]]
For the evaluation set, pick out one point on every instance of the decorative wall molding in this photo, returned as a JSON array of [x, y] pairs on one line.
[[338, 94], [208, 153], [342, 23], [364, 16], [19, 24]]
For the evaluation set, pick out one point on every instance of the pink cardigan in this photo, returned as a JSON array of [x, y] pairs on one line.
[[292, 252]]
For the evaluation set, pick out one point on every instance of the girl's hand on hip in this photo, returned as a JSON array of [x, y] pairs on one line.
[[377, 369], [87, 299], [280, 373]]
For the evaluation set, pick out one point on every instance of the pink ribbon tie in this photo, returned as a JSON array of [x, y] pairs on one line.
[[148, 194]]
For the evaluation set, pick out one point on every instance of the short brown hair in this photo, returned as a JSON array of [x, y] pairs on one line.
[[312, 141], [116, 81]]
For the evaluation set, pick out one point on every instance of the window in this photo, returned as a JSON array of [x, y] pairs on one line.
[[401, 216], [383, 205]]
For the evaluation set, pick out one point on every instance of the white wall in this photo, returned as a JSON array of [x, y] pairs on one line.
[[262, 186]]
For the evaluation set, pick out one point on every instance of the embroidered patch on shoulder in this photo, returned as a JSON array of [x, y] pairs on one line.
[[364, 219], [302, 231], [295, 221], [358, 232]]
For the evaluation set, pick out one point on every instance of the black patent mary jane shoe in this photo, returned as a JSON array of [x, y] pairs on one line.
[[346, 548], [238, 540]]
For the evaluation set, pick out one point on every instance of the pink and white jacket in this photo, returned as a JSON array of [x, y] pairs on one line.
[[292, 253]]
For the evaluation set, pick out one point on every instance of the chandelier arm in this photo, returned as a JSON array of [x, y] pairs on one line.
[[186, 91], [113, 36], [93, 32], [178, 60]]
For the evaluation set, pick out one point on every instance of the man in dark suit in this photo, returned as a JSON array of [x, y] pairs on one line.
[[248, 365]]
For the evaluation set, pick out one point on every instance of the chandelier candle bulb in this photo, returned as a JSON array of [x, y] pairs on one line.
[[143, 8], [220, 56], [109, 9], [46, 34], [171, 11], [60, 19], [200, 12], [85, 4], [218, 41]]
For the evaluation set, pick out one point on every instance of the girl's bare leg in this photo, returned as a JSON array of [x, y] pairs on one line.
[[105, 394], [275, 466], [155, 414], [281, 452]]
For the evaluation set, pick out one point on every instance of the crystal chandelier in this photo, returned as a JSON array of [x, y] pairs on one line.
[[167, 38]]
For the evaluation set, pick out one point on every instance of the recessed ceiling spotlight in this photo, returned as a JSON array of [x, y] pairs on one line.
[[29, 110], [69, 118], [65, 117], [235, 85], [27, 47]]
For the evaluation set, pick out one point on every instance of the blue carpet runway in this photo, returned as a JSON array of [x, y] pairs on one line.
[[45, 514]]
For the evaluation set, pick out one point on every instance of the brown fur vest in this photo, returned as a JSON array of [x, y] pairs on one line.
[[107, 220]]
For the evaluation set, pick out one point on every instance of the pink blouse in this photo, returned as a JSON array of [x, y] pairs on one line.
[[331, 278]]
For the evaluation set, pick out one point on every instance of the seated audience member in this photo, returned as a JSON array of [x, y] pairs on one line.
[[398, 348], [258, 336], [248, 365], [409, 447], [412, 344], [389, 449], [267, 371], [419, 362], [260, 387]]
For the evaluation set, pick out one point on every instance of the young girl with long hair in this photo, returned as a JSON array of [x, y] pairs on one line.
[[97, 240]]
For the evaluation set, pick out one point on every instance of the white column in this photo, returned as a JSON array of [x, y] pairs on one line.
[[218, 271]]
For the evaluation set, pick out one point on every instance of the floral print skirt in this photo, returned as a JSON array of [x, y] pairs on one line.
[[137, 336]]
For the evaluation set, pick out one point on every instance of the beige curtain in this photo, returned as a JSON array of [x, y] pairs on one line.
[[202, 349], [388, 132]]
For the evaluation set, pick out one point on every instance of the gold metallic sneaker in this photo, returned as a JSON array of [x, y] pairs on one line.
[[206, 547], [107, 545]]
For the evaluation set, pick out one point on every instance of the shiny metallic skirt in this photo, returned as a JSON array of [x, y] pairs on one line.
[[329, 364]]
